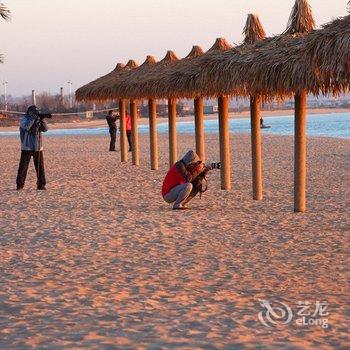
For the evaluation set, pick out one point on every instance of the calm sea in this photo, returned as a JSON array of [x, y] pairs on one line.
[[326, 125]]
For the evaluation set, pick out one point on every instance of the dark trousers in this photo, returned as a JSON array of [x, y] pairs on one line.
[[113, 133], [128, 135], [39, 167]]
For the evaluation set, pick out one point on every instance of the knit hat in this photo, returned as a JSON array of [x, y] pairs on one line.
[[32, 109], [190, 158]]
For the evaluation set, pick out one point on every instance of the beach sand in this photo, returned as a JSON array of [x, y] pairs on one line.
[[99, 261]]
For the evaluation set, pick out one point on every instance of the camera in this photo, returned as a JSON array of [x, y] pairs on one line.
[[216, 165], [42, 116]]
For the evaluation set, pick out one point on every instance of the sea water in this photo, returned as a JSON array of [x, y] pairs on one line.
[[324, 125]]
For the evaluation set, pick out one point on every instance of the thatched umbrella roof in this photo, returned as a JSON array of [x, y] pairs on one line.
[[130, 85], [103, 90], [171, 79], [328, 51], [91, 91], [317, 62], [186, 80], [85, 92], [149, 78], [129, 82], [300, 59], [253, 30], [301, 20], [270, 66], [156, 86]]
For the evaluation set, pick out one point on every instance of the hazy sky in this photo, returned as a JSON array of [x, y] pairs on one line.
[[49, 42]]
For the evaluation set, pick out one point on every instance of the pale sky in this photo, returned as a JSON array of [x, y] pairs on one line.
[[49, 42]]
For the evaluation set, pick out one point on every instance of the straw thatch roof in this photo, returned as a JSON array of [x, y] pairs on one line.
[[280, 66], [91, 91], [301, 19], [328, 51], [103, 90], [255, 67], [133, 85], [299, 59], [313, 60], [145, 80], [84, 93], [88, 91], [186, 80], [129, 86], [270, 67], [171, 81], [129, 82], [253, 30]]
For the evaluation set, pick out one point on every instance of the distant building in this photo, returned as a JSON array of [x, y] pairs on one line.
[[210, 109]]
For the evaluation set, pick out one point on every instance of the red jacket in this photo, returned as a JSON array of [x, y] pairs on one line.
[[128, 122], [177, 175]]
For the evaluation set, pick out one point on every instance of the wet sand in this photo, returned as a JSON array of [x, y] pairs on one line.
[[99, 261]]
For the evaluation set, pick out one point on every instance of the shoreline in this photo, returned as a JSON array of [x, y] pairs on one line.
[[101, 123], [184, 134]]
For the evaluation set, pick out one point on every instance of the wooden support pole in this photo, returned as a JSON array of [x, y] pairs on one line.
[[134, 133], [122, 114], [224, 135], [300, 152], [172, 131], [152, 110], [199, 125], [255, 115]]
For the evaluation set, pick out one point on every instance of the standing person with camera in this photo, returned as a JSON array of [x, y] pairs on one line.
[[112, 124], [185, 180], [32, 124]]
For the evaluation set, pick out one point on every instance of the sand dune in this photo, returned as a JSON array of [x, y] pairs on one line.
[[99, 261]]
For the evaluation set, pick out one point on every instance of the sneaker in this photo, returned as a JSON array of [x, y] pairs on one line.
[[19, 188], [180, 207], [42, 188]]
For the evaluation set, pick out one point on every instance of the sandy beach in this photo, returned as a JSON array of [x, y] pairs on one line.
[[99, 261]]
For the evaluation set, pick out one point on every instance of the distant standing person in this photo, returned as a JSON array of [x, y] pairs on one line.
[[112, 123], [262, 125], [128, 129], [32, 124]]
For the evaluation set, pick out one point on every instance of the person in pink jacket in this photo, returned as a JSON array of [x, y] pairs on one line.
[[128, 130]]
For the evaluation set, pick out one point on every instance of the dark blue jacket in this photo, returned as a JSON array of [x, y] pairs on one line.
[[30, 131]]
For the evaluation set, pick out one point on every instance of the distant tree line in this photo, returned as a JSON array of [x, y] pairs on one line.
[[53, 103]]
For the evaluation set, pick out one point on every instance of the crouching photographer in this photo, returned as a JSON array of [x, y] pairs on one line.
[[32, 124], [185, 180]]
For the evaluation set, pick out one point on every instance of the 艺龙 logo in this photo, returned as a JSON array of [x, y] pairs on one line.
[[280, 313], [275, 314]]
